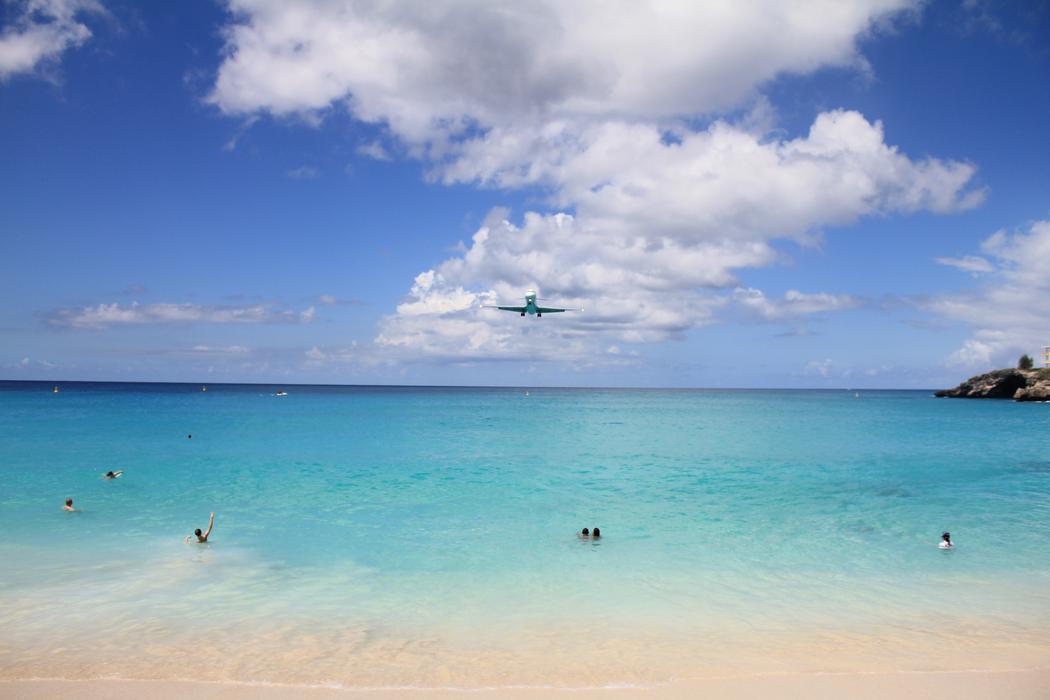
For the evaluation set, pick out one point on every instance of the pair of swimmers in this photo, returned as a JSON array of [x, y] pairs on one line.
[[68, 507], [585, 533]]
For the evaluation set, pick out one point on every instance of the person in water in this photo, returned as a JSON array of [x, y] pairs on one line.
[[946, 541], [584, 533], [114, 475], [68, 507], [596, 533], [202, 538]]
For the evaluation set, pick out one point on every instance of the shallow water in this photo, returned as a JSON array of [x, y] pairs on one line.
[[400, 536]]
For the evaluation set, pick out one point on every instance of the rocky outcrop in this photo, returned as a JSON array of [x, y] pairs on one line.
[[1039, 390], [1019, 384]]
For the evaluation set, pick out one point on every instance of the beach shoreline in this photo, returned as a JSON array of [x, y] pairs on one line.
[[931, 685]]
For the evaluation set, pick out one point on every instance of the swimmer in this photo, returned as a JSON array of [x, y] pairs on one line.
[[946, 541], [584, 534], [202, 538], [596, 533], [68, 507], [113, 475], [189, 437]]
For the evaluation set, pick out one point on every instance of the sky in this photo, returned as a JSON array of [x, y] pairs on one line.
[[768, 194]]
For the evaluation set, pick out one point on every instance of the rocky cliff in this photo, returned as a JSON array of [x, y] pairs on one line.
[[1017, 384]]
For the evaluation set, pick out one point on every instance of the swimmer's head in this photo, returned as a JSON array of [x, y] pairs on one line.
[[597, 532], [947, 537], [69, 501], [585, 531], [197, 532], [110, 474]]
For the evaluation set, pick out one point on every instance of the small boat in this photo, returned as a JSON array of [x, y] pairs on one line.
[[204, 388], [281, 393], [54, 389]]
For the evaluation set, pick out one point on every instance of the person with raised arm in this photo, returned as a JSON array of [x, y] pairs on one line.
[[202, 538]]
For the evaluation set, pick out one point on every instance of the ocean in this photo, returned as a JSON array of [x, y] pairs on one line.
[[421, 536]]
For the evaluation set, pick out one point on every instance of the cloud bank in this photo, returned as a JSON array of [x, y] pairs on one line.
[[651, 216]]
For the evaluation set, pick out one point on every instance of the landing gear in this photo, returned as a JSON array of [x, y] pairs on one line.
[[523, 314], [539, 315]]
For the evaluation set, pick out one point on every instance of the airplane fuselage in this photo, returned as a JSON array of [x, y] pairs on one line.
[[530, 304]]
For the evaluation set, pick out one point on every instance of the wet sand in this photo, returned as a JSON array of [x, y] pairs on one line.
[[948, 685]]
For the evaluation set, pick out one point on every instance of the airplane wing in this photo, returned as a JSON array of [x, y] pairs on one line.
[[519, 309], [549, 310]]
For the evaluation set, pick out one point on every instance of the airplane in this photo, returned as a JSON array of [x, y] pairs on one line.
[[530, 307]]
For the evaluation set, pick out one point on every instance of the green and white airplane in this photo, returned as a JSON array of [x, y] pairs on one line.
[[530, 307]]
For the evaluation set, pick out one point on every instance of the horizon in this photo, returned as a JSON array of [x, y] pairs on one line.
[[529, 387], [244, 191]]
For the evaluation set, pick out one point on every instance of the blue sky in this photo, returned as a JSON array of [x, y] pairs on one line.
[[773, 196]]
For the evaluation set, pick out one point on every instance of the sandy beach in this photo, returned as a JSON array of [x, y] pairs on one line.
[[955, 685]]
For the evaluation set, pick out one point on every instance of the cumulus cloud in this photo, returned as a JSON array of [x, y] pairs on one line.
[[1010, 311], [595, 106], [109, 315], [427, 71], [662, 224], [40, 31], [630, 175]]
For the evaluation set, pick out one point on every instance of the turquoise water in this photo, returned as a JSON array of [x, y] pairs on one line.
[[423, 536]]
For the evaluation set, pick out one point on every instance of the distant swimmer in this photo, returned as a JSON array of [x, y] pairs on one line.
[[946, 541], [596, 533], [584, 533], [68, 507], [202, 538], [113, 475], [189, 437]]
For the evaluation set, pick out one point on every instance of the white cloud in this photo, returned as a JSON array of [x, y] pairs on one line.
[[594, 105], [40, 31], [433, 69], [793, 304], [373, 150], [1010, 311], [968, 263], [109, 315], [621, 175], [660, 221]]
